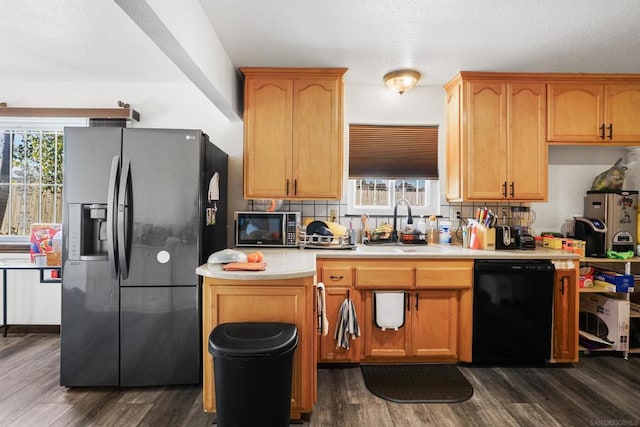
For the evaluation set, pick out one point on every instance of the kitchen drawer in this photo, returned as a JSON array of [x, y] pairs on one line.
[[445, 274], [337, 276], [385, 277]]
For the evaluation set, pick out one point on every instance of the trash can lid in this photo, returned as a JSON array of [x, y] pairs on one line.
[[253, 339]]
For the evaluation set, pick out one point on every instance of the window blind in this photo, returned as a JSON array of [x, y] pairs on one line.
[[384, 151]]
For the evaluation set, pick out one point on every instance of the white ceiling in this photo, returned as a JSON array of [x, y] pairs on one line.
[[79, 40]]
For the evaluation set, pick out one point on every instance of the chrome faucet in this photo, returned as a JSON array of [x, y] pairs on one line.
[[394, 232]]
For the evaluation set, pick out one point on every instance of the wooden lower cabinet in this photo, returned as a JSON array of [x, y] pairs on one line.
[[438, 306], [290, 301], [565, 316], [430, 330], [329, 351]]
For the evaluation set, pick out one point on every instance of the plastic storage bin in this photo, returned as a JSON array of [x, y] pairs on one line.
[[253, 368]]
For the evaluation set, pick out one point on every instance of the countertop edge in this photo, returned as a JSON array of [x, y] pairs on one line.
[[299, 263]]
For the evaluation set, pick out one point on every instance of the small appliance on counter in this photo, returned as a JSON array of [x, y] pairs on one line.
[[504, 238], [593, 232], [267, 229], [522, 217], [619, 211]]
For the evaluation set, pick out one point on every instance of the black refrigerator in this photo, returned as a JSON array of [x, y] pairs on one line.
[[142, 209]]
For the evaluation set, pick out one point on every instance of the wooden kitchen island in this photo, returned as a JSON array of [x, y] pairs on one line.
[[284, 292]]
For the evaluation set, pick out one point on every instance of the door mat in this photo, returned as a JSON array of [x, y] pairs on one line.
[[417, 383]]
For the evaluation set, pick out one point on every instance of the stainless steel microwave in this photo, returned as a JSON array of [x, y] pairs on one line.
[[267, 229]]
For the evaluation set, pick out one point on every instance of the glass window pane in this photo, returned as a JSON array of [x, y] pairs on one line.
[[4, 210], [48, 158], [50, 204], [18, 151], [33, 157], [19, 219], [31, 168]]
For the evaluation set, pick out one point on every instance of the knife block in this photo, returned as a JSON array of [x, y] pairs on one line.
[[486, 238]]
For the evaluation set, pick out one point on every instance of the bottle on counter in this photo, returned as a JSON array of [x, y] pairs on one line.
[[432, 232], [422, 228]]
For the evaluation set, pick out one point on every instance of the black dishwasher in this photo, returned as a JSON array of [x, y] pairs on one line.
[[512, 311]]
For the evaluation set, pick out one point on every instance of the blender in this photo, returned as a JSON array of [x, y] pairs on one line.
[[522, 217]]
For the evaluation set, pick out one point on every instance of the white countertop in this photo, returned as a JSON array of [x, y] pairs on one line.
[[294, 263]]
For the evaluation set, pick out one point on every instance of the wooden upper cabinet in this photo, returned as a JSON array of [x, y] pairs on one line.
[[268, 137], [583, 112], [527, 164], [622, 112], [293, 140], [494, 124]]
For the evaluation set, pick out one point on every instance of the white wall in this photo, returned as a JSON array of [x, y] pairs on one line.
[[571, 173]]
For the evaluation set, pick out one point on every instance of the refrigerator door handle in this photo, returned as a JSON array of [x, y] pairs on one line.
[[111, 219], [124, 217]]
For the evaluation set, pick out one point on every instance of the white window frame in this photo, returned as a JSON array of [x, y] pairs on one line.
[[52, 124], [432, 186]]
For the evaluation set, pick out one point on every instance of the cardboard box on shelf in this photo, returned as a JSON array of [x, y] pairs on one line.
[[606, 318], [614, 282]]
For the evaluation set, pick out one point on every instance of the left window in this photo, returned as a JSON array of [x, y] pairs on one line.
[[31, 171]]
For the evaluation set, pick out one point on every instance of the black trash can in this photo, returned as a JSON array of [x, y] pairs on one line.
[[253, 367]]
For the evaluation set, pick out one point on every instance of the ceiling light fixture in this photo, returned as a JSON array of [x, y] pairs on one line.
[[401, 80]]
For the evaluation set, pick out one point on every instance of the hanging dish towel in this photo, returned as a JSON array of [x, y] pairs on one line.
[[389, 310], [323, 322], [347, 327]]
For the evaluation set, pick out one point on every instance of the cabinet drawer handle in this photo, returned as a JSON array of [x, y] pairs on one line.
[[336, 278], [610, 128], [602, 131]]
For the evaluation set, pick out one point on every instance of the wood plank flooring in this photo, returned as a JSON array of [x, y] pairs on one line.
[[601, 390]]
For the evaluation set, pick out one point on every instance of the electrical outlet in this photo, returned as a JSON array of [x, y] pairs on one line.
[[458, 215]]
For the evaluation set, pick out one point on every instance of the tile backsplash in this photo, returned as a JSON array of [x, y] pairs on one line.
[[326, 210]]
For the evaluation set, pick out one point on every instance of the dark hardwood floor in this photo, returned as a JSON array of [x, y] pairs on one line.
[[601, 390]]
